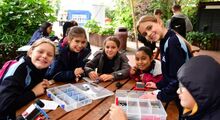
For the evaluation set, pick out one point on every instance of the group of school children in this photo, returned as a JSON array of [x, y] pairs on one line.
[[28, 78], [192, 82]]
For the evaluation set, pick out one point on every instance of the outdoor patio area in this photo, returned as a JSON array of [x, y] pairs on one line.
[[131, 48]]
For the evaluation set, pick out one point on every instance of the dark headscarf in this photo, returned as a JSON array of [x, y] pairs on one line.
[[201, 77]]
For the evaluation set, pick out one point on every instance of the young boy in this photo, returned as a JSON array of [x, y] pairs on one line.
[[69, 64]]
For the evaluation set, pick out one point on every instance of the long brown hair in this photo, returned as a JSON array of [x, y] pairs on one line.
[[114, 39], [76, 31]]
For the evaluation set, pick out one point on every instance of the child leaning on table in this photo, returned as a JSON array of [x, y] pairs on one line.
[[24, 81], [147, 69], [110, 63], [174, 53], [68, 65]]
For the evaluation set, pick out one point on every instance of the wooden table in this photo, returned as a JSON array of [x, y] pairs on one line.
[[98, 109]]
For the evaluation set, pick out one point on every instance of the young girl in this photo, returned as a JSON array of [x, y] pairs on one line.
[[110, 64], [43, 31], [66, 28], [24, 81], [146, 69], [198, 79], [174, 53], [198, 89], [67, 25], [71, 60]]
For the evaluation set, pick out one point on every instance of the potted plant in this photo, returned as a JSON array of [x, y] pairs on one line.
[[98, 34], [93, 29]]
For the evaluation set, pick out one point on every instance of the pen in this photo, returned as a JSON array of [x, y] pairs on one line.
[[116, 101]]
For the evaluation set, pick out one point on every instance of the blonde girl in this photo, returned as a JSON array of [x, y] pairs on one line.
[[24, 81]]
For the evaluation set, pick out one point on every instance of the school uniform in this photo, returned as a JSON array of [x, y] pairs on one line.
[[118, 66], [153, 74], [171, 60], [16, 87], [37, 35], [174, 53], [62, 68], [200, 76]]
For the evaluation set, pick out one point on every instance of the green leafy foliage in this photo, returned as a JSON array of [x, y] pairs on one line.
[[144, 7], [92, 26], [164, 5], [122, 14], [106, 30], [190, 9], [19, 19], [201, 39]]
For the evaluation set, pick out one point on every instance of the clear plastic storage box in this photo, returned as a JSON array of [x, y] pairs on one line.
[[140, 109], [68, 97], [93, 91], [73, 96]]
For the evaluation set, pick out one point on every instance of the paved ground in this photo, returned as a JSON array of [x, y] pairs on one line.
[[131, 48], [214, 54]]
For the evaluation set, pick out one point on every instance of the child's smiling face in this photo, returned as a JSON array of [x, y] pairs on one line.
[[143, 61], [111, 49], [77, 44], [42, 55], [152, 31]]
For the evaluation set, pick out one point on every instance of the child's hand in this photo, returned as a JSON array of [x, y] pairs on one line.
[[151, 85], [46, 83], [116, 113], [149, 96], [106, 77], [78, 72], [93, 75], [51, 82], [133, 70], [39, 89]]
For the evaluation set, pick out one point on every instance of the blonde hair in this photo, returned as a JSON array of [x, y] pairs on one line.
[[146, 18], [39, 42]]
